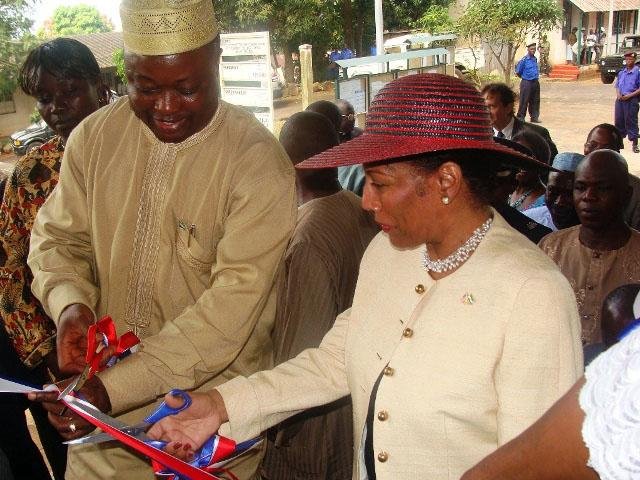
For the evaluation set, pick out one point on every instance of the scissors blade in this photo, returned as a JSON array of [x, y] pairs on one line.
[[139, 430], [76, 384], [92, 411], [99, 437], [102, 437]]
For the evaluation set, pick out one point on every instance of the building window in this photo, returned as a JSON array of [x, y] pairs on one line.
[[6, 104], [624, 21]]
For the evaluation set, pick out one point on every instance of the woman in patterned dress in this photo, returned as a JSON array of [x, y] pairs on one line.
[[64, 78]]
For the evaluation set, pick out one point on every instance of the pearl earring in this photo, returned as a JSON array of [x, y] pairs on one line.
[[445, 200]]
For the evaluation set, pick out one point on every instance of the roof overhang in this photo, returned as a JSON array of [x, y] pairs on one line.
[[605, 5]]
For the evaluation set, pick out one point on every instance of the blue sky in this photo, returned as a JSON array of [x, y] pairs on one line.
[[44, 9]]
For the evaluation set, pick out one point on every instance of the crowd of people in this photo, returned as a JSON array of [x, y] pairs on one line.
[[590, 48], [417, 299]]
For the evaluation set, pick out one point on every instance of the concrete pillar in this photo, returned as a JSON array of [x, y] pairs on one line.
[[610, 50], [306, 74], [379, 27], [379, 20]]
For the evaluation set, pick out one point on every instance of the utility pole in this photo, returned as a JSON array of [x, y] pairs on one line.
[[379, 28], [306, 73]]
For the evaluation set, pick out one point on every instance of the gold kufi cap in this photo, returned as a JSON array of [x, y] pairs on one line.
[[167, 27]]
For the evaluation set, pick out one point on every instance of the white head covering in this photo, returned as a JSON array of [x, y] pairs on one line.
[[567, 161]]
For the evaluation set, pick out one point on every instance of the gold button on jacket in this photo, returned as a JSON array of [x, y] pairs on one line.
[[383, 457]]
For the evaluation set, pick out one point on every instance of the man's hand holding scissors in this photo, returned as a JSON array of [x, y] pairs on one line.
[[71, 340], [84, 346]]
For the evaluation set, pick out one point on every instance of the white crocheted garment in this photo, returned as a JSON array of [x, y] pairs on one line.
[[611, 402]]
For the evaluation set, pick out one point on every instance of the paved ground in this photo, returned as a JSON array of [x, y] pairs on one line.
[[570, 109]]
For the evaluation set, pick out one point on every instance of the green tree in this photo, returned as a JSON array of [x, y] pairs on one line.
[[436, 20], [290, 23], [15, 41], [77, 20], [504, 25], [405, 14], [321, 23], [118, 61]]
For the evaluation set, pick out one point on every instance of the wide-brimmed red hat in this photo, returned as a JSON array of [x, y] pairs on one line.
[[423, 114]]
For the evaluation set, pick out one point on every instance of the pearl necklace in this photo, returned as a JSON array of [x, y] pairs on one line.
[[461, 254]]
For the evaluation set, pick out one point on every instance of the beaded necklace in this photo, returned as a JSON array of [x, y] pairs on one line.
[[461, 254], [521, 199]]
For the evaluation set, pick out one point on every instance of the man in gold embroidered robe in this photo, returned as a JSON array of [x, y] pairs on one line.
[[172, 215]]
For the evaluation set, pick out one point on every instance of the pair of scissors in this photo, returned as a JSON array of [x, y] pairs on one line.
[[105, 328], [162, 461], [139, 430]]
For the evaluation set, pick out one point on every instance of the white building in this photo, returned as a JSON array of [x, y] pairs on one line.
[[618, 18]]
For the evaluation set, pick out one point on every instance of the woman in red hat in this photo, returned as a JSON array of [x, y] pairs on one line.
[[461, 333]]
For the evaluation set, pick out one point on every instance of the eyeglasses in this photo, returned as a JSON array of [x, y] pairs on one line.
[[591, 146], [351, 116]]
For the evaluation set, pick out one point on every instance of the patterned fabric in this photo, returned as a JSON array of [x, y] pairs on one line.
[[610, 403], [592, 273], [30, 330]]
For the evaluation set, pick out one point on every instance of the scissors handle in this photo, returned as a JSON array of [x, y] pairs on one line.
[[165, 410]]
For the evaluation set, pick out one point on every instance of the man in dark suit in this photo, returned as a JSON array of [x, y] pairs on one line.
[[500, 100]]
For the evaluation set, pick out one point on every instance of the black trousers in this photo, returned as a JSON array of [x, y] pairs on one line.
[[16, 443], [529, 99]]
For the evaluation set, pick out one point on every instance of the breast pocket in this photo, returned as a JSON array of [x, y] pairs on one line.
[[191, 271]]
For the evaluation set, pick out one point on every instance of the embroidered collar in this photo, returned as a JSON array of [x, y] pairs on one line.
[[197, 137]]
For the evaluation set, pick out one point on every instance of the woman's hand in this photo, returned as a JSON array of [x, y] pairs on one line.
[[188, 430]]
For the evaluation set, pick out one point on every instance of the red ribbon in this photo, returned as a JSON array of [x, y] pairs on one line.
[[215, 450], [155, 454], [107, 328]]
